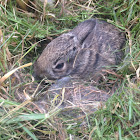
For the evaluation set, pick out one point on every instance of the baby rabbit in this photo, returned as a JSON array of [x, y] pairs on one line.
[[83, 52]]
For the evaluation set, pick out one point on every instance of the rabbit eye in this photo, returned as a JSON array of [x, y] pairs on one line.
[[59, 66]]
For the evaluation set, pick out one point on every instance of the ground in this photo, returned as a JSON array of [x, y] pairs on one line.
[[25, 29]]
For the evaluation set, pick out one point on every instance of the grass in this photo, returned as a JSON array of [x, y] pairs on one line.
[[20, 35]]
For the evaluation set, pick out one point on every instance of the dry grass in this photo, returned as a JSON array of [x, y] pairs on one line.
[[24, 32]]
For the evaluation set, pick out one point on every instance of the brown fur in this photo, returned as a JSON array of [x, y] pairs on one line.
[[83, 52]]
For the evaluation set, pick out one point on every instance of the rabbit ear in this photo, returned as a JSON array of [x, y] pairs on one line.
[[90, 40], [84, 29]]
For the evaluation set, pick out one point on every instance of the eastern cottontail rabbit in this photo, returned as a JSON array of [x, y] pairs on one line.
[[83, 52]]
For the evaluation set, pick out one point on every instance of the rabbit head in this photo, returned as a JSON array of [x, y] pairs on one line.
[[59, 57]]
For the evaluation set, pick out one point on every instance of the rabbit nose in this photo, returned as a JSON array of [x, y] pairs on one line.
[[36, 77], [35, 72]]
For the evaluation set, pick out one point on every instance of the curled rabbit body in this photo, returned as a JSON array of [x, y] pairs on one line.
[[83, 52]]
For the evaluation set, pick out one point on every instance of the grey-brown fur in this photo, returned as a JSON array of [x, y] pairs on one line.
[[82, 52]]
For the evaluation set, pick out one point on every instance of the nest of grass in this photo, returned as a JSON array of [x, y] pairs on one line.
[[29, 110]]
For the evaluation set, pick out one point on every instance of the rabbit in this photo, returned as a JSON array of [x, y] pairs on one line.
[[83, 52]]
